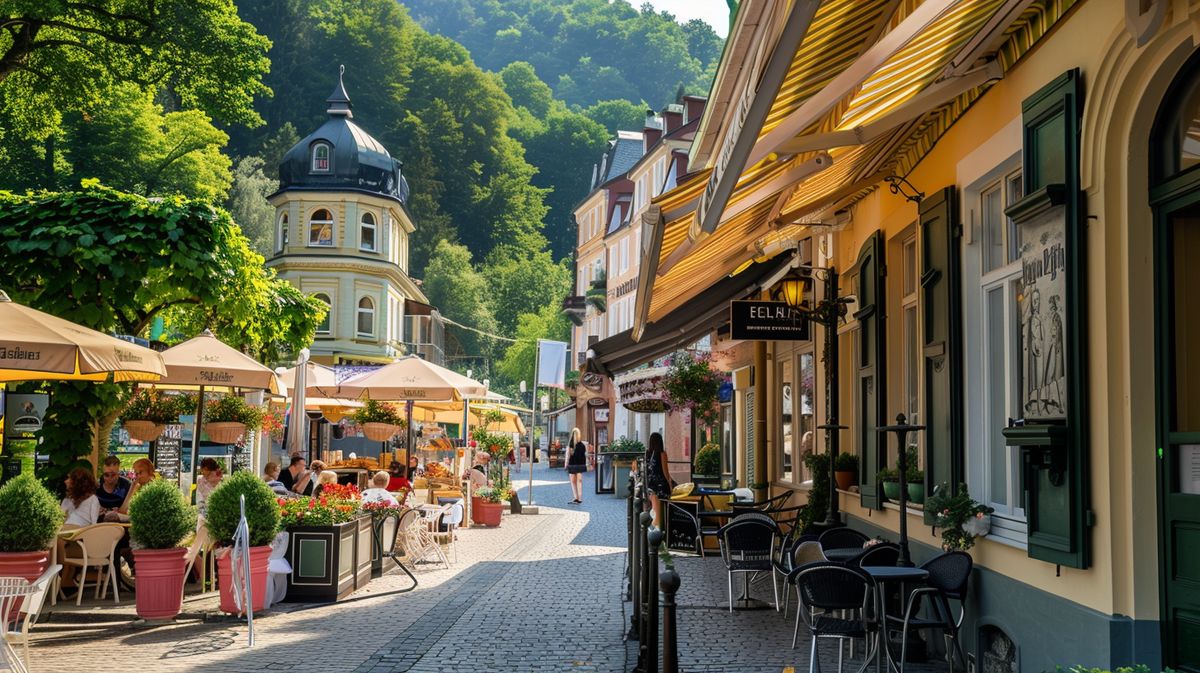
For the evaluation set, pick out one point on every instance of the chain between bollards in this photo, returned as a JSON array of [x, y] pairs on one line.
[[669, 583]]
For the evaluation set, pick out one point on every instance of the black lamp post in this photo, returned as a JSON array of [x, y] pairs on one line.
[[902, 428]]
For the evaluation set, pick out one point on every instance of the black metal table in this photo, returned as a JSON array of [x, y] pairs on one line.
[[881, 576]]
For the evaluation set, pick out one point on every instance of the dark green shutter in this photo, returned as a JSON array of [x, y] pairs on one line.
[[870, 381], [1054, 453], [941, 339]]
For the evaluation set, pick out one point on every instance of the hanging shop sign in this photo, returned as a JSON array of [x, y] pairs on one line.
[[767, 321]]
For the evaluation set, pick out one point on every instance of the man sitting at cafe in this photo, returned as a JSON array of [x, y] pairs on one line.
[[113, 487], [143, 473]]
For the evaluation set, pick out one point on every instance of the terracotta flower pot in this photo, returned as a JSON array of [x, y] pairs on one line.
[[143, 431], [259, 556], [160, 575], [845, 479], [225, 432], [380, 432], [486, 513], [27, 564]]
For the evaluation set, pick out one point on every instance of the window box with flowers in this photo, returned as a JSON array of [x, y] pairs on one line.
[[227, 418], [329, 545], [379, 421], [150, 411]]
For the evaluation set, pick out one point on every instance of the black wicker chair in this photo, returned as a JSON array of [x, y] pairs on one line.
[[842, 538], [748, 546], [882, 554], [834, 589], [949, 574]]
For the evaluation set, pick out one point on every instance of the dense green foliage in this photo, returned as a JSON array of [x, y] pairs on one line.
[[224, 510], [846, 462], [588, 50], [159, 517], [708, 461], [29, 515], [951, 510], [149, 404], [374, 411], [233, 409], [818, 494]]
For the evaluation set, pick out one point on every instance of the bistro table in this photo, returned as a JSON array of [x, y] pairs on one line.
[[881, 576]]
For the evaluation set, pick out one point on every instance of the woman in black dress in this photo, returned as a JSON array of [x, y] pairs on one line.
[[658, 480], [576, 466]]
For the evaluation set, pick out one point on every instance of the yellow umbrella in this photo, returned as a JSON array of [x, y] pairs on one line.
[[409, 378], [452, 412], [36, 346]]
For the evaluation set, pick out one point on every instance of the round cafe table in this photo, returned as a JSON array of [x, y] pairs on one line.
[[881, 576]]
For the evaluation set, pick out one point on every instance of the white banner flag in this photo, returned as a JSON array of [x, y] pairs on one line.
[[552, 363]]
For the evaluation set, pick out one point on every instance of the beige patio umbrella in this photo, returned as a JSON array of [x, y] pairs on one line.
[[36, 346], [205, 361], [452, 412], [409, 378]]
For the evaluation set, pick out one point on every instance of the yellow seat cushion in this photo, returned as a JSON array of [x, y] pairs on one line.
[[682, 490]]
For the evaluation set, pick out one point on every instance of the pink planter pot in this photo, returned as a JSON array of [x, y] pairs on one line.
[[27, 564], [258, 579], [486, 513], [159, 582]]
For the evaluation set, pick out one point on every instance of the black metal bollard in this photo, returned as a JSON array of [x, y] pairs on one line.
[[669, 583], [629, 510], [635, 562], [644, 589], [654, 538]]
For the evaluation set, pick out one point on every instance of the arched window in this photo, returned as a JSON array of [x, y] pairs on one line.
[[320, 228], [366, 233], [281, 235], [323, 327], [366, 317], [320, 158]]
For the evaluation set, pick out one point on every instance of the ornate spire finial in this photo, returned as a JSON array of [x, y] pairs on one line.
[[339, 100]]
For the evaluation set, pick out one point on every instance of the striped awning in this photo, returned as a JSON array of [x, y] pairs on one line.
[[910, 97]]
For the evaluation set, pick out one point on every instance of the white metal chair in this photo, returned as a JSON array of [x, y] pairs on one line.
[[451, 520], [12, 591], [98, 544], [743, 495], [278, 570], [420, 545], [30, 608]]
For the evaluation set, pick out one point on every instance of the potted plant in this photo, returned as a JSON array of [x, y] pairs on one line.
[[149, 411], [379, 421], [262, 516], [818, 495], [890, 478], [915, 479], [845, 470], [960, 517], [692, 384], [487, 506], [623, 452], [708, 461], [29, 520], [329, 532], [158, 519], [228, 417]]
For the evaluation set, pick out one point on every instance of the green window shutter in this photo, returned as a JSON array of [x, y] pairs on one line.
[[942, 340], [870, 385], [1054, 450]]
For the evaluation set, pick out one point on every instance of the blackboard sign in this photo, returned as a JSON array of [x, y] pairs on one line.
[[167, 451], [767, 321], [242, 451], [681, 528]]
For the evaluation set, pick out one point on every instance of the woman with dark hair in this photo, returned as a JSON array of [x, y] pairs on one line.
[[397, 477], [81, 505], [576, 466], [658, 480]]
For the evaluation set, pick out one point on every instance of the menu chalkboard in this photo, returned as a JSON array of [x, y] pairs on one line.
[[167, 450], [681, 528]]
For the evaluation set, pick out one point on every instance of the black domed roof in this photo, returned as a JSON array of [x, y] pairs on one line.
[[355, 160]]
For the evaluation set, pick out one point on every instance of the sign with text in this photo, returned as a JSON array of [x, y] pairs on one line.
[[168, 452], [767, 321]]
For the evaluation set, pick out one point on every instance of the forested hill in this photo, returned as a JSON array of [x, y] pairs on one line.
[[587, 50]]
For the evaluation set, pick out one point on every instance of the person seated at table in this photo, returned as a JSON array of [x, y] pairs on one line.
[[379, 490], [210, 478], [478, 472], [81, 505], [271, 476], [326, 478], [143, 473], [113, 487], [414, 467], [297, 478], [397, 478]]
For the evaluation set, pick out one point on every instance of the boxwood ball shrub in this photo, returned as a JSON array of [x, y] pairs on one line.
[[29, 515], [262, 509], [159, 517], [708, 460]]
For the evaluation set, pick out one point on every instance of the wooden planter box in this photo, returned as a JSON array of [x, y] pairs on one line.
[[328, 562]]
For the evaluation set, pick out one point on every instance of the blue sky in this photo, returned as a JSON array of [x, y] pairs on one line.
[[714, 12]]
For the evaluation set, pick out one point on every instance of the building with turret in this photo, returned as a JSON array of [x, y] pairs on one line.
[[342, 231]]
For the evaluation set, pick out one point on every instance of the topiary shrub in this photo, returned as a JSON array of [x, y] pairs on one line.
[[708, 460], [29, 515], [159, 517], [262, 509]]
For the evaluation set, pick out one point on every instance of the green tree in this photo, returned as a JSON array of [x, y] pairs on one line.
[[114, 261], [618, 115], [523, 281], [248, 204], [275, 146], [459, 291], [526, 90], [518, 361], [57, 55]]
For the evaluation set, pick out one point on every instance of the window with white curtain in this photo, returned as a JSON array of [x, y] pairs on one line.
[[366, 317]]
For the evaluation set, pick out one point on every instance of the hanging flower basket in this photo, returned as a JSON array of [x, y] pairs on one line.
[[225, 432], [143, 431], [380, 432]]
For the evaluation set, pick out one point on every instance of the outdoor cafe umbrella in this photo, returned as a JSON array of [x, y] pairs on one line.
[[205, 361], [452, 412], [36, 346], [301, 379], [409, 378]]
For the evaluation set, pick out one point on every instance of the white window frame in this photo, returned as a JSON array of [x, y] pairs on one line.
[[281, 232], [332, 230], [363, 226], [314, 158], [909, 310], [323, 296], [359, 312], [982, 339]]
